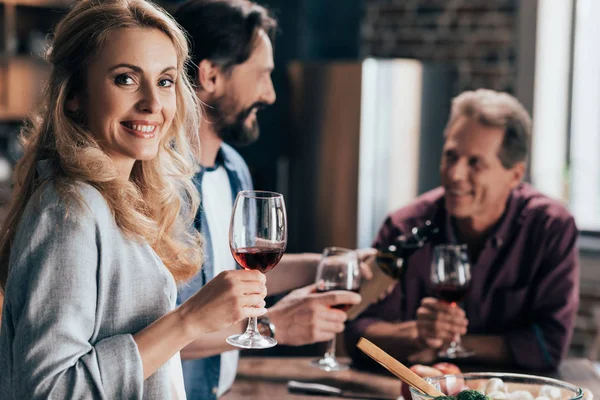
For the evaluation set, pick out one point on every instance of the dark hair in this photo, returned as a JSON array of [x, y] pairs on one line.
[[501, 110], [223, 31]]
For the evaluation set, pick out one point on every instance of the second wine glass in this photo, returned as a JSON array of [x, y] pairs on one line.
[[257, 238], [451, 281], [337, 270]]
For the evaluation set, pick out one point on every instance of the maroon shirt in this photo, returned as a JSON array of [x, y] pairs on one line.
[[525, 284]]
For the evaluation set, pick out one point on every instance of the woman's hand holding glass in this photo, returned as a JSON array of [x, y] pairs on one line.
[[228, 298]]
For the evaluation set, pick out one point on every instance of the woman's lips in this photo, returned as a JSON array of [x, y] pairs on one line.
[[139, 129]]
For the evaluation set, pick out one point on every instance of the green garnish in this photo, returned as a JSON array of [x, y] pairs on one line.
[[471, 395], [465, 395]]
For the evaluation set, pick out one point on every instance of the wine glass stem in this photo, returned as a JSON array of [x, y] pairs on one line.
[[252, 327], [455, 342], [330, 352]]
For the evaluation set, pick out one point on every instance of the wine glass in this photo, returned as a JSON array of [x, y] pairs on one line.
[[257, 239], [337, 270], [451, 280]]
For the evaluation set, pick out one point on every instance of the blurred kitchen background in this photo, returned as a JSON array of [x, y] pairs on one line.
[[363, 93]]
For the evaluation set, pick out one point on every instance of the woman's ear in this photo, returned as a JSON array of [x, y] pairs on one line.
[[74, 108], [73, 103]]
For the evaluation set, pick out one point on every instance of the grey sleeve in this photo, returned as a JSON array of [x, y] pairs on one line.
[[53, 288]]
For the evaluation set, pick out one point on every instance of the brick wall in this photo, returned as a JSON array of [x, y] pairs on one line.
[[477, 36]]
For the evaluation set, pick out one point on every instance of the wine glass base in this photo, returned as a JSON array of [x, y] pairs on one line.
[[251, 341], [330, 364], [454, 353]]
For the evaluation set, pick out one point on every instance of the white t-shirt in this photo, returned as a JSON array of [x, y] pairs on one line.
[[217, 205], [177, 385]]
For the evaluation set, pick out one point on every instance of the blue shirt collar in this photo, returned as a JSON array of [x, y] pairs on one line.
[[221, 159]]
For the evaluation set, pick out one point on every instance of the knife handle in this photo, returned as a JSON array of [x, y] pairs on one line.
[[313, 388]]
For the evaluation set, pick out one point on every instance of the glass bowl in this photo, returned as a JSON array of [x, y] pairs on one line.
[[452, 384]]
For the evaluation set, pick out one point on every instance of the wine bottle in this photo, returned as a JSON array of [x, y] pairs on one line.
[[391, 259], [388, 265]]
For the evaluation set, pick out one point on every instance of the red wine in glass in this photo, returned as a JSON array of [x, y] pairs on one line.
[[451, 293], [257, 258], [343, 307]]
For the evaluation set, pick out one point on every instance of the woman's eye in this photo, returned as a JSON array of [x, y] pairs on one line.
[[166, 83], [124, 79]]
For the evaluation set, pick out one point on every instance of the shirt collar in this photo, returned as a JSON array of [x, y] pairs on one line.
[[220, 159], [509, 221], [224, 155]]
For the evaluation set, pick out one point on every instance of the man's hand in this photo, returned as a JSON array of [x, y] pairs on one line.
[[438, 323], [305, 317]]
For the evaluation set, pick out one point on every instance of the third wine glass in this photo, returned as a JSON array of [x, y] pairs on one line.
[[337, 270]]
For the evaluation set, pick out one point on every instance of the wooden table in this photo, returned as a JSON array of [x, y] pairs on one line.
[[266, 378]]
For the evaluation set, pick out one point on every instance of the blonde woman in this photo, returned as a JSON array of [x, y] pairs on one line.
[[98, 235]]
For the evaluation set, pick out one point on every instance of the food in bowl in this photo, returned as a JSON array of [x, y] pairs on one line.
[[425, 371], [500, 386]]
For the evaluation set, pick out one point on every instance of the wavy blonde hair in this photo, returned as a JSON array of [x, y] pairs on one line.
[[159, 201]]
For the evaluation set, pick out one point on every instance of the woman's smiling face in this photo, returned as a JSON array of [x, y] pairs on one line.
[[130, 99]]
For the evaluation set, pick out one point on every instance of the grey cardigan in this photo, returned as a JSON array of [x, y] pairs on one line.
[[76, 292]]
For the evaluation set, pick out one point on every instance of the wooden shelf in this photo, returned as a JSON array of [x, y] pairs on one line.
[[25, 77], [22, 76]]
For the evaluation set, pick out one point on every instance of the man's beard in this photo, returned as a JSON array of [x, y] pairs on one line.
[[235, 132]]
